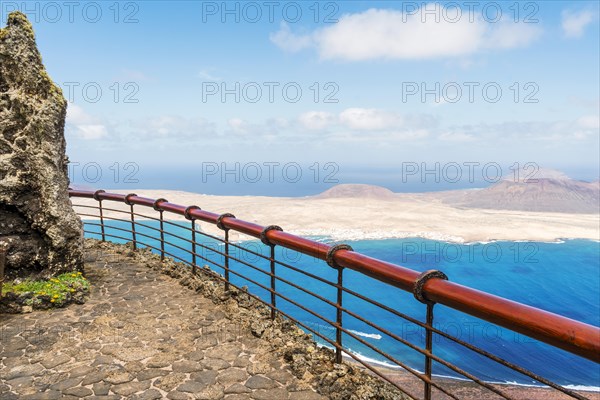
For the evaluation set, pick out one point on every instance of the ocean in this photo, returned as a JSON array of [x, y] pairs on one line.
[[562, 277], [294, 179]]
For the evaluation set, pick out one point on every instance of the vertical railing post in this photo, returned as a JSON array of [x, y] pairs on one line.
[[429, 348], [266, 241], [338, 333], [419, 295], [339, 300], [2, 265], [99, 200], [273, 285], [194, 261], [133, 234], [226, 240], [189, 216], [226, 261], [162, 237], [156, 207], [102, 221]]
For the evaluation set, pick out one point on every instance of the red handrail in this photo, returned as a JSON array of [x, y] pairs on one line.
[[565, 333]]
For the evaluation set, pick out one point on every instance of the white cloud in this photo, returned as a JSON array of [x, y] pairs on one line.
[[77, 115], [238, 125], [250, 132], [391, 34], [380, 139], [83, 125], [442, 102], [279, 122], [557, 132], [574, 23], [410, 134], [375, 126], [383, 34], [133, 75], [369, 119], [92, 132], [589, 122], [451, 136], [206, 75], [353, 124], [288, 41], [507, 34], [316, 120], [169, 126]]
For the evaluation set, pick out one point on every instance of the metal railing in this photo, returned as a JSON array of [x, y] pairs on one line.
[[430, 288]]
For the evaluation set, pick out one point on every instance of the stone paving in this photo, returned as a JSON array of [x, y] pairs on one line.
[[140, 335]]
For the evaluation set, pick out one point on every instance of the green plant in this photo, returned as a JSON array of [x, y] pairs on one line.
[[54, 290]]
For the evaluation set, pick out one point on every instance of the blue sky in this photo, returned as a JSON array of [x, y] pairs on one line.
[[361, 66]]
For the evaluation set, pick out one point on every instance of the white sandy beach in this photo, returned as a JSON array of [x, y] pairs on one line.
[[404, 215]]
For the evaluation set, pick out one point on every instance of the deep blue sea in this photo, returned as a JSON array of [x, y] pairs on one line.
[[563, 278]]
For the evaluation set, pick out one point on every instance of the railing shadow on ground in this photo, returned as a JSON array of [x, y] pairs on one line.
[[326, 299]]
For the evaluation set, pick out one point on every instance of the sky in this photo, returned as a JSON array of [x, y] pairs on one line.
[[369, 92]]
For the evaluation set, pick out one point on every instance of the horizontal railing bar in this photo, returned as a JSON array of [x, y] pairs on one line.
[[286, 298], [332, 304], [112, 196], [422, 351], [414, 347], [119, 220], [128, 212], [124, 230], [467, 345], [87, 206], [558, 331], [148, 236], [155, 229], [335, 325], [152, 247], [423, 377], [247, 250], [356, 358], [333, 343], [331, 323], [200, 244], [471, 347], [221, 240], [323, 337], [286, 265], [428, 354], [288, 282], [309, 274]]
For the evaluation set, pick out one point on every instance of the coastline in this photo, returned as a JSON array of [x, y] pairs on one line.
[[469, 390], [346, 226], [410, 215]]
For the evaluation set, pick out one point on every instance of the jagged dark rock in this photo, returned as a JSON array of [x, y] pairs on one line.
[[42, 233]]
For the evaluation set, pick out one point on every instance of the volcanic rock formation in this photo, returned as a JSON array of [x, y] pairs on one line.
[[38, 226], [357, 190], [547, 191]]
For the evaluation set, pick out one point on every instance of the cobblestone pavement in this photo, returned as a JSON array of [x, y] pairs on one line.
[[140, 335]]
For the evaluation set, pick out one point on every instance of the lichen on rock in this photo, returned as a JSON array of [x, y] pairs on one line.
[[37, 223]]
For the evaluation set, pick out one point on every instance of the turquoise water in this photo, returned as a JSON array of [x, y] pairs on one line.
[[563, 278]]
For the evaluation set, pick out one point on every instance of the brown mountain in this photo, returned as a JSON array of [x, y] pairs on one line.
[[543, 195], [357, 191]]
